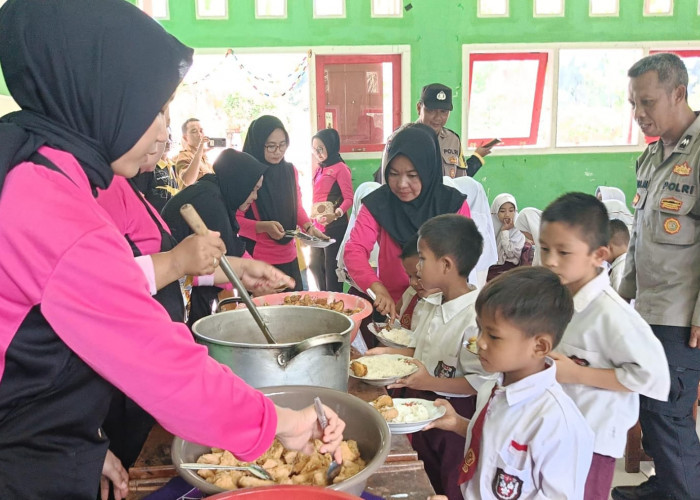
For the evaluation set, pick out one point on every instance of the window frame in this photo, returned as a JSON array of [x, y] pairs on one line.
[[139, 4], [321, 60], [647, 47], [200, 17], [399, 15], [334, 16], [262, 16], [506, 14]]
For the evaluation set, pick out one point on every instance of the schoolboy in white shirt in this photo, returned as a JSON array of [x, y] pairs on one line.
[[449, 247], [619, 241], [412, 301], [608, 355], [527, 439]]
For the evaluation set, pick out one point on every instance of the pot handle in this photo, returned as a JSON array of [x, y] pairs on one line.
[[334, 339], [227, 301]]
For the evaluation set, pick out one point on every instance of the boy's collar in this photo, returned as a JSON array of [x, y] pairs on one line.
[[591, 290], [453, 307], [531, 386]]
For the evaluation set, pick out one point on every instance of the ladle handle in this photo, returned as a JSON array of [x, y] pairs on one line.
[[197, 225]]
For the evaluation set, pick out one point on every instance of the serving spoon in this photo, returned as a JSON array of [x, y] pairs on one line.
[[254, 469], [334, 467]]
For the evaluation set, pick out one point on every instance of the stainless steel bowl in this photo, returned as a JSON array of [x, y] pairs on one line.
[[363, 424]]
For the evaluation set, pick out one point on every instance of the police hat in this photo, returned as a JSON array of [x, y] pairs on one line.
[[436, 96]]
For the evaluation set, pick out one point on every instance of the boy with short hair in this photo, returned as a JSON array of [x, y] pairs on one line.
[[619, 241], [449, 247], [527, 438], [410, 304], [608, 355]]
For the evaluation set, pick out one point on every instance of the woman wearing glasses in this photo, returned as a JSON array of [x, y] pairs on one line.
[[278, 207], [332, 199]]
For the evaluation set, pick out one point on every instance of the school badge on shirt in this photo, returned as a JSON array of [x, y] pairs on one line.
[[506, 486]]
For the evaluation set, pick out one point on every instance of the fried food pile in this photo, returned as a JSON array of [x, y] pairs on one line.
[[385, 406], [308, 300], [359, 369], [285, 466]]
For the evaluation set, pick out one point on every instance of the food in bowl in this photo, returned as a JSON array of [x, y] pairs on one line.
[[285, 466], [397, 335], [404, 410], [308, 300], [471, 345], [383, 366]]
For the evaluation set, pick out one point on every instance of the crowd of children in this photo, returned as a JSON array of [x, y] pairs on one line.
[[561, 362]]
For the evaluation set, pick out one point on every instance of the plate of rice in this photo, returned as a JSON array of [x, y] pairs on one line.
[[396, 337], [382, 369], [407, 415]]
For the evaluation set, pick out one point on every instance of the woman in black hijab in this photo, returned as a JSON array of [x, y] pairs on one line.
[[332, 198], [93, 79], [278, 207], [217, 198], [392, 214]]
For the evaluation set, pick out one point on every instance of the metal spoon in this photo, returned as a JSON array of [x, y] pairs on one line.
[[334, 467], [197, 225], [254, 469], [373, 296]]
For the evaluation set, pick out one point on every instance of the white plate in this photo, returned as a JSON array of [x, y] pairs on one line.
[[317, 242], [434, 413], [382, 339], [381, 382]]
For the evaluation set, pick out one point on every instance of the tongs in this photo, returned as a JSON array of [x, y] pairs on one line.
[[388, 326], [334, 467], [254, 469], [296, 233]]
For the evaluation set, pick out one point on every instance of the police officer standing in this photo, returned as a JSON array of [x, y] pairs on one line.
[[663, 270], [434, 109]]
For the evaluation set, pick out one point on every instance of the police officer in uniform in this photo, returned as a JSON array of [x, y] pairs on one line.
[[663, 270], [434, 109]]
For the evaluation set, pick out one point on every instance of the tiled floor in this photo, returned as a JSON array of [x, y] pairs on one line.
[[622, 478]]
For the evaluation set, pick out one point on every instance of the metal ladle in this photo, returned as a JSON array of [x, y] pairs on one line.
[[197, 225]]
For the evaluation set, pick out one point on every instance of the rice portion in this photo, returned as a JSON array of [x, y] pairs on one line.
[[411, 412], [397, 335], [386, 366]]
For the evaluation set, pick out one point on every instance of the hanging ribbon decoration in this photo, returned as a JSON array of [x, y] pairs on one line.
[[264, 83]]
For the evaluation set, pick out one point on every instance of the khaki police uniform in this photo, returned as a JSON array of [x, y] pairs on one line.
[[663, 274], [453, 164]]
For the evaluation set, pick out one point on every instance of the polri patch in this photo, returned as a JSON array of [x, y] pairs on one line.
[[506, 486], [672, 204], [682, 169], [672, 225]]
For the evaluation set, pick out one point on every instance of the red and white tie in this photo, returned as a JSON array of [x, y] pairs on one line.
[[471, 458]]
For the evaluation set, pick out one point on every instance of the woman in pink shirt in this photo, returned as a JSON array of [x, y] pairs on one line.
[[77, 319], [332, 183], [278, 207], [391, 215]]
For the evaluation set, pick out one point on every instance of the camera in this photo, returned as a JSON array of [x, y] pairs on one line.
[[217, 142]]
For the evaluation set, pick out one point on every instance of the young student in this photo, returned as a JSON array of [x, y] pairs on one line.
[[410, 303], [509, 240], [608, 355], [619, 241], [448, 248], [527, 439]]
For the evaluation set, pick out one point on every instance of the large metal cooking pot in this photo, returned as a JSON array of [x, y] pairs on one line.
[[313, 348]]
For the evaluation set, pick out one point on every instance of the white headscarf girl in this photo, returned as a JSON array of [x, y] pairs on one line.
[[509, 240], [481, 215]]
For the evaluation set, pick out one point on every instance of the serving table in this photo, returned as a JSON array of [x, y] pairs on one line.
[[402, 475]]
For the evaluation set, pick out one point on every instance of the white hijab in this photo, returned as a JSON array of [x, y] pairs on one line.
[[610, 193], [529, 220], [362, 190], [496, 205], [479, 208], [618, 210]]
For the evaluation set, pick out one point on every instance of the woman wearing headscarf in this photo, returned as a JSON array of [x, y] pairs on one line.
[[509, 240], [616, 204], [481, 215], [217, 198], [610, 193], [332, 186], [528, 222], [76, 315], [391, 215], [278, 207]]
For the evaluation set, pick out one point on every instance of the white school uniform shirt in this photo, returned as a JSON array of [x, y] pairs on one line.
[[617, 269], [606, 332], [406, 298], [441, 336], [535, 443]]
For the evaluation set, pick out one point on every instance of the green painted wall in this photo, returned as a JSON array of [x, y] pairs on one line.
[[436, 31]]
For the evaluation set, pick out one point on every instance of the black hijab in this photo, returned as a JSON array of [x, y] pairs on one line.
[[331, 140], [216, 197], [90, 76], [277, 198], [401, 219]]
